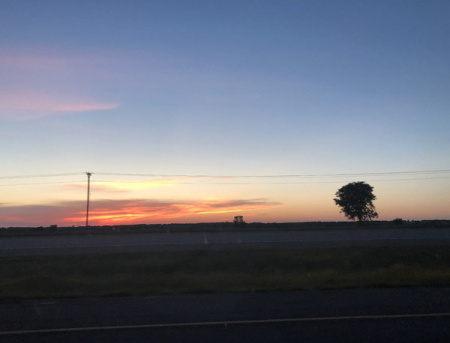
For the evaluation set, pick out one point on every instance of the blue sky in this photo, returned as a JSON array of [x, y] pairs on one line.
[[226, 88]]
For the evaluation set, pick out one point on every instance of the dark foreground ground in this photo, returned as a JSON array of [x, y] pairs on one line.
[[54, 230], [115, 243], [345, 315], [354, 315]]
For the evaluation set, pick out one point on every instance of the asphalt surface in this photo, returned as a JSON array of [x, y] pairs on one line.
[[198, 240], [358, 315]]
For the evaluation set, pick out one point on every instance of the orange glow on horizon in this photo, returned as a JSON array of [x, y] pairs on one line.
[[137, 184], [134, 213]]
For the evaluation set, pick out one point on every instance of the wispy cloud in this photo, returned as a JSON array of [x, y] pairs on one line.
[[50, 59], [34, 62], [34, 79], [136, 185], [134, 211], [127, 186], [31, 105]]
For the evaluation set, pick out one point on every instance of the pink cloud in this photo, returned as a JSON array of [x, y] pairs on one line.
[[134, 211], [33, 62], [49, 59], [33, 78], [32, 105], [128, 186], [96, 188]]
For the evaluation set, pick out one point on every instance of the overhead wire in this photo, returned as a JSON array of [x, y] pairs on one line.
[[408, 176], [11, 177], [41, 183], [278, 183], [437, 171]]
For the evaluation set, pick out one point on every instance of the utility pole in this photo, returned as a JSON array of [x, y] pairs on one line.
[[88, 192]]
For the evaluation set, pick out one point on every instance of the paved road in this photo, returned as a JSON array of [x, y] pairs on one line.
[[360, 315], [145, 242]]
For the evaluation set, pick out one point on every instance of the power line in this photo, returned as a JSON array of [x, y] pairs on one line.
[[212, 176], [277, 183], [224, 183], [307, 182], [437, 171], [36, 176], [41, 183]]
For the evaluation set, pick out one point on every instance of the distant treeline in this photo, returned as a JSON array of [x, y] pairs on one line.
[[216, 227]]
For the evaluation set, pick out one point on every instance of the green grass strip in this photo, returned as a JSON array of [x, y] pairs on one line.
[[175, 272]]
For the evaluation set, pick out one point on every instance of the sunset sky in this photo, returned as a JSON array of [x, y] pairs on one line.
[[198, 111]]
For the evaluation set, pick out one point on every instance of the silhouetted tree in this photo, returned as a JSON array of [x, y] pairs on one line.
[[355, 200]]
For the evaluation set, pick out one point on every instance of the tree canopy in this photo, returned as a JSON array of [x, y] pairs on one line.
[[356, 201]]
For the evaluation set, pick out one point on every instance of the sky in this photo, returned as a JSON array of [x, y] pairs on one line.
[[199, 111]]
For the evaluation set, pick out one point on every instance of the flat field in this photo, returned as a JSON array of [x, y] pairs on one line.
[[206, 271]]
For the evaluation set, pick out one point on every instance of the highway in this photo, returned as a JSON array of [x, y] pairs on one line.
[[352, 315], [197, 240], [357, 315]]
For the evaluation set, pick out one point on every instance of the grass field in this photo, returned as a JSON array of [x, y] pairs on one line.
[[222, 271]]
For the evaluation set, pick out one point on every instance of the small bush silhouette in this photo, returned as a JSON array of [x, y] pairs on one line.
[[239, 221], [398, 221]]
